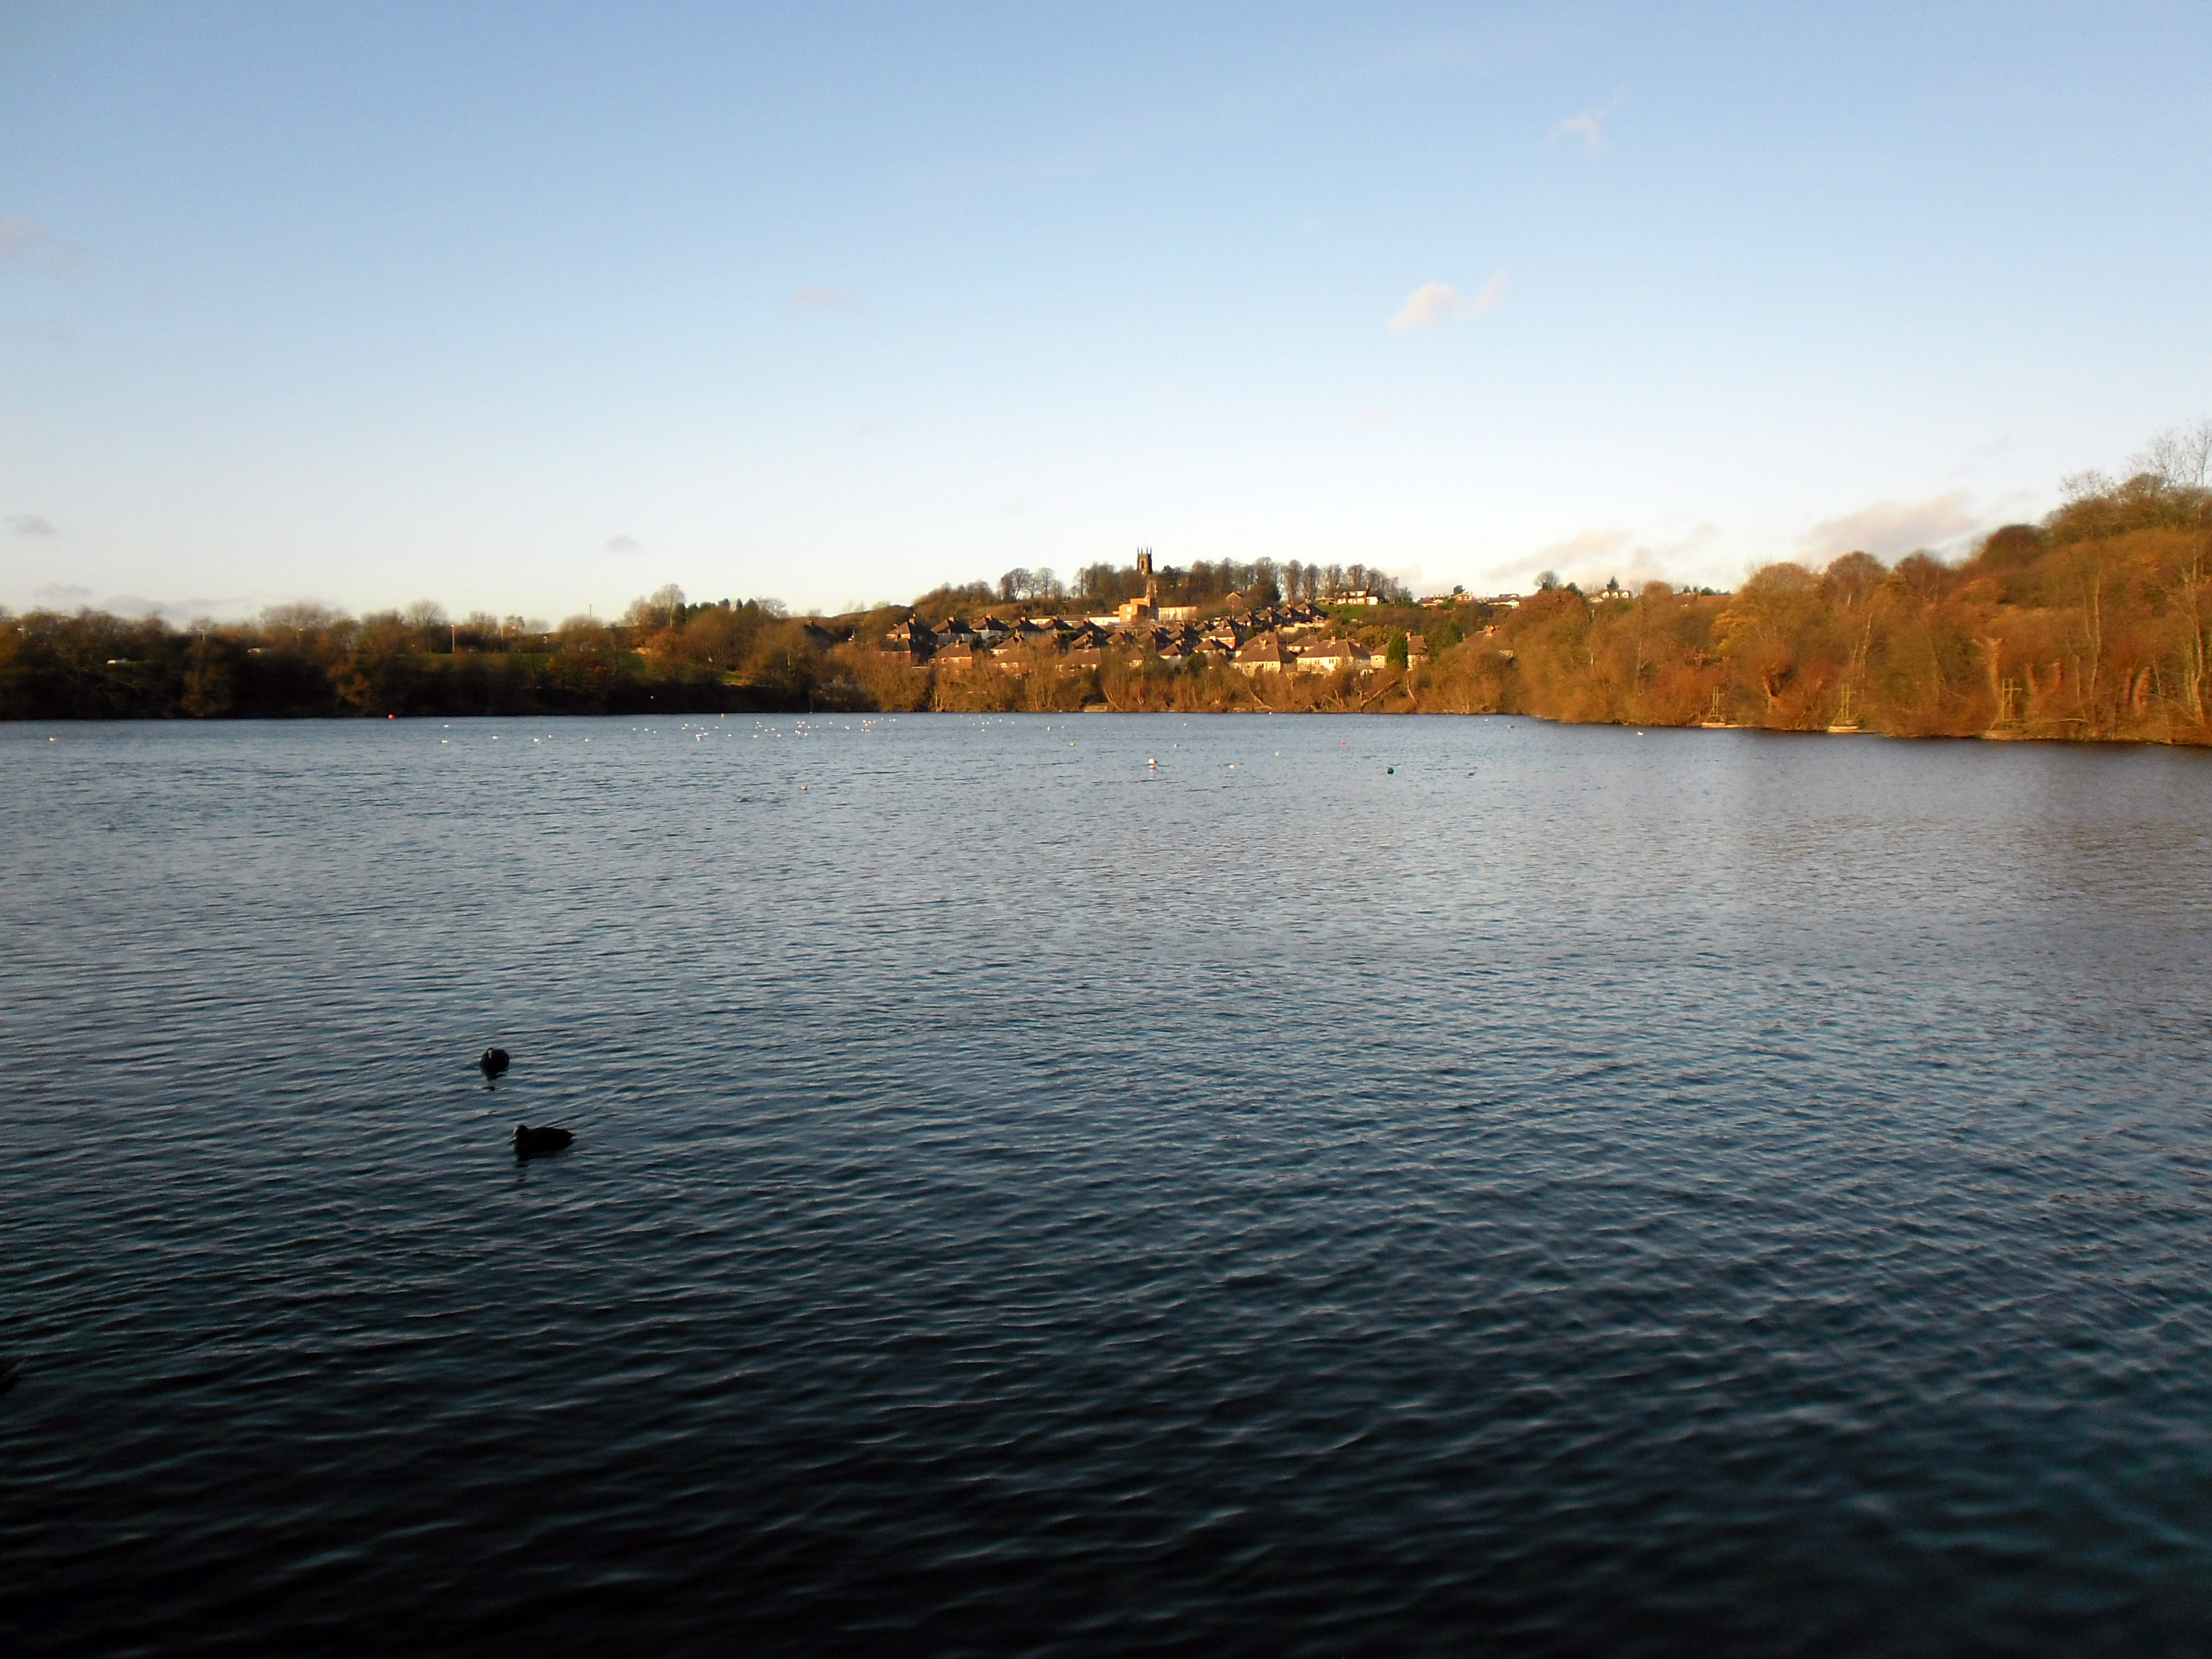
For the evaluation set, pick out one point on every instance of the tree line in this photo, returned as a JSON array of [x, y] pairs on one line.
[[2094, 623], [662, 655], [1100, 587]]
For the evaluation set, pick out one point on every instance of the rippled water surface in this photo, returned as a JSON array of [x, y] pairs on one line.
[[1356, 1186]]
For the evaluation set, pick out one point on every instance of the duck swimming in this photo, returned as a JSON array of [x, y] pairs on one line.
[[493, 1063], [530, 1143]]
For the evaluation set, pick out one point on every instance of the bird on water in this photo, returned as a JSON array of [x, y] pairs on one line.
[[530, 1143], [494, 1063]]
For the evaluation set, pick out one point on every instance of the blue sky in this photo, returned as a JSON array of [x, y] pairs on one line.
[[535, 308]]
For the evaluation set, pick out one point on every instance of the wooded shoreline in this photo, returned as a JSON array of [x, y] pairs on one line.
[[2093, 625]]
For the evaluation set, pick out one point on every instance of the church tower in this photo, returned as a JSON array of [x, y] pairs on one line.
[[1148, 606]]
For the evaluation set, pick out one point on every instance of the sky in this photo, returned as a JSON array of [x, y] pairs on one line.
[[535, 308]]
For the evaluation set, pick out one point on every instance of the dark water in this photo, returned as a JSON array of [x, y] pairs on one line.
[[1576, 1192]]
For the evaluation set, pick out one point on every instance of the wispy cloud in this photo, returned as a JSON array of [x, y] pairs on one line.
[[30, 524], [22, 236], [1439, 303], [1890, 528], [133, 605], [29, 241], [1592, 557], [62, 594], [819, 299], [1580, 552], [620, 544], [1589, 127], [1428, 304]]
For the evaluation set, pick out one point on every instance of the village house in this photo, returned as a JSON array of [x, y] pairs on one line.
[[1266, 641], [910, 640], [1326, 656], [1263, 656]]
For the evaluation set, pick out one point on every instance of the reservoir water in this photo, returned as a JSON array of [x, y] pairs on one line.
[[1355, 1186]]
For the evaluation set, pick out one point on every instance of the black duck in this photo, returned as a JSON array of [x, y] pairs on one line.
[[530, 1143]]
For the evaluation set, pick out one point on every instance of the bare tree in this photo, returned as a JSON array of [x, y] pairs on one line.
[[1851, 580], [2189, 578], [2180, 459]]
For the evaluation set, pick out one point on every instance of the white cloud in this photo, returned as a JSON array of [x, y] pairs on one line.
[[133, 605], [1589, 126], [816, 299], [62, 594], [1431, 302], [621, 544], [1581, 551], [30, 524], [1591, 558], [19, 236], [1889, 530], [32, 244], [1439, 303]]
